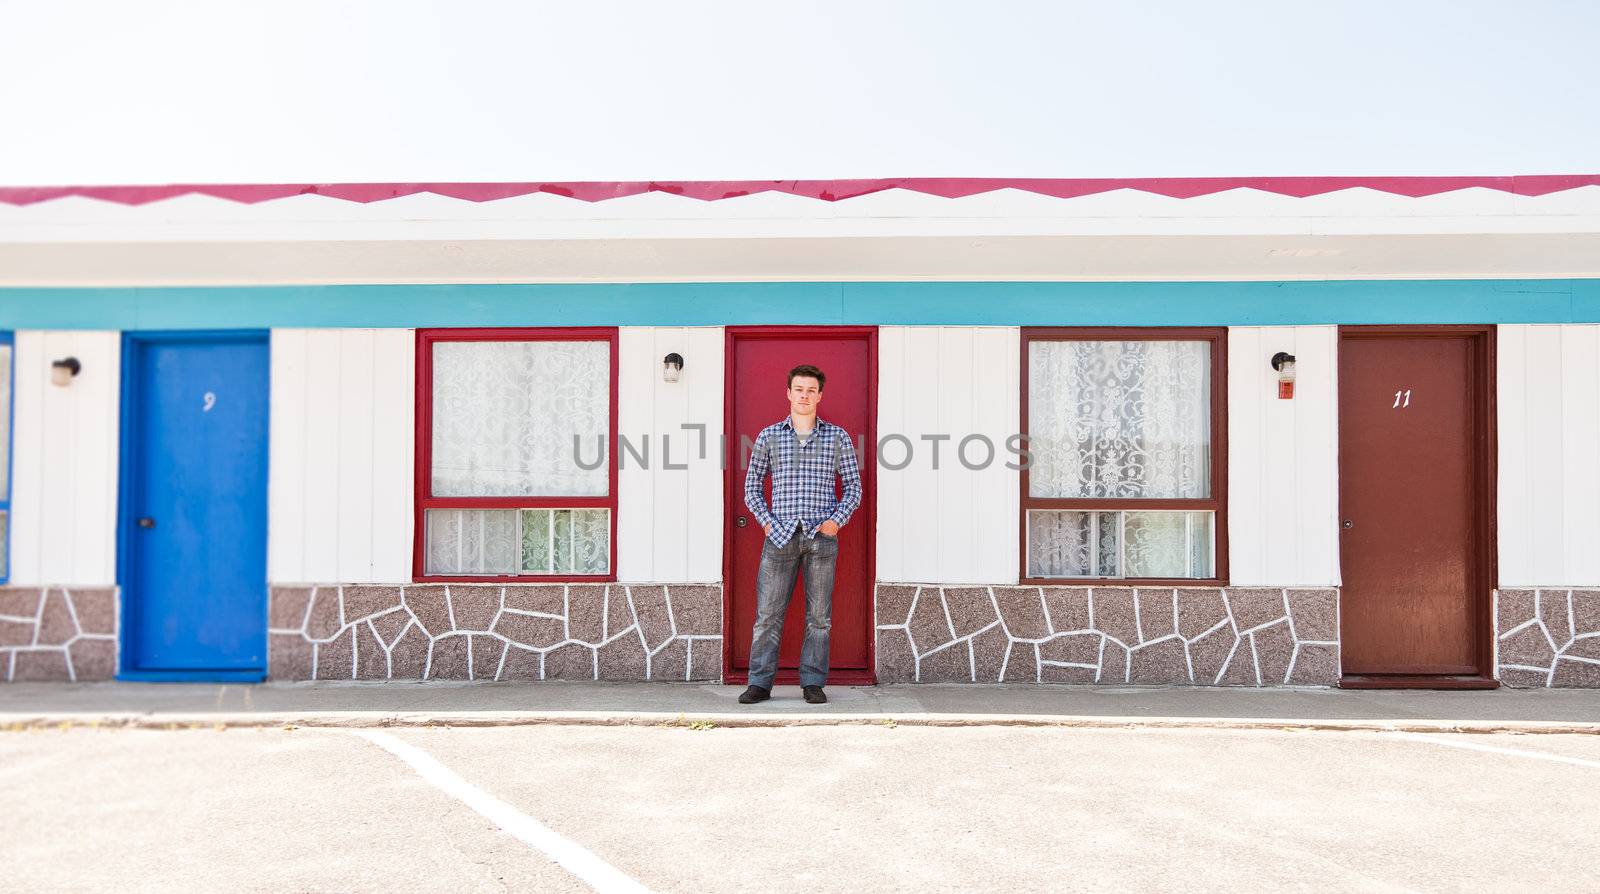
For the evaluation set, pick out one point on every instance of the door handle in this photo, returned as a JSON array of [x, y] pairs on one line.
[[1347, 524], [147, 522], [741, 521]]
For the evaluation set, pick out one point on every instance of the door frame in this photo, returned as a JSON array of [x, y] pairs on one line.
[[733, 482], [127, 461], [1485, 521]]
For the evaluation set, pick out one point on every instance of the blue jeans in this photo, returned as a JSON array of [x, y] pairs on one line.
[[774, 585]]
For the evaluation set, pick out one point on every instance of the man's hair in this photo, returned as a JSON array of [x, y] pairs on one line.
[[808, 371]]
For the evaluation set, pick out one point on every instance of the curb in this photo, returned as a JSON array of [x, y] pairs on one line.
[[18, 722]]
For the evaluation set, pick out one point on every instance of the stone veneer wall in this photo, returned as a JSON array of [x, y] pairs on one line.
[[1548, 637], [1230, 637], [58, 634], [513, 632]]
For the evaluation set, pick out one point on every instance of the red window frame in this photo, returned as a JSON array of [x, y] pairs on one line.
[[1217, 502], [425, 500]]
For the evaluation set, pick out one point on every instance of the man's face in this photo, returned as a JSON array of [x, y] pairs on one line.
[[804, 395]]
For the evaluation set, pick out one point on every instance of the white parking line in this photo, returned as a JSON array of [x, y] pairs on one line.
[[1495, 749], [571, 856]]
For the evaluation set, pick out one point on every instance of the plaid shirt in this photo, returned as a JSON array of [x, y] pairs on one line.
[[802, 479]]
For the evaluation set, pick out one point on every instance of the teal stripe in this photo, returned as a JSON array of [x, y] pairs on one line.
[[858, 303]]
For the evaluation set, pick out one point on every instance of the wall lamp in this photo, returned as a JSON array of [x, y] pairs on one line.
[[1283, 362], [671, 366], [63, 371]]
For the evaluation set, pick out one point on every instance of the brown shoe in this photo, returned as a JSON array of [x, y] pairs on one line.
[[753, 694], [814, 695]]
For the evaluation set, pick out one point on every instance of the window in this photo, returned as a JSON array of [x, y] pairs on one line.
[[1128, 454], [516, 454], [7, 350]]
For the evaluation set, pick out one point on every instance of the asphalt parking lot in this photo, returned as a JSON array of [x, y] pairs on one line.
[[818, 808]]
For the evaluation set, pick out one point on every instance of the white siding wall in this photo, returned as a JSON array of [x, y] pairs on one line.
[[953, 525], [1549, 459], [669, 525], [64, 472], [1283, 471], [342, 443]]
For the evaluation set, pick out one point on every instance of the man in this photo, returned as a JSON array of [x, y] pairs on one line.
[[805, 456]]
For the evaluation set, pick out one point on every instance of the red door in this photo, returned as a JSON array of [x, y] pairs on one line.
[[1415, 503], [758, 363]]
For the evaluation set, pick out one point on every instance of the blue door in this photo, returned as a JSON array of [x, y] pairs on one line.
[[194, 506]]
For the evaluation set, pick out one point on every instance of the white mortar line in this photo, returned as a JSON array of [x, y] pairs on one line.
[[73, 610], [38, 614], [568, 854], [305, 618], [944, 603], [1495, 749], [1519, 628]]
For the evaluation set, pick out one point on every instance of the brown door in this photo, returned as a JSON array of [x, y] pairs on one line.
[[1415, 499], [758, 361]]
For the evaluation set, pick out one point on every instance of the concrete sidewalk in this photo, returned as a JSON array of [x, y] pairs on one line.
[[167, 705]]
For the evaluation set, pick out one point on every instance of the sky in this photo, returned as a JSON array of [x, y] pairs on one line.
[[402, 91]]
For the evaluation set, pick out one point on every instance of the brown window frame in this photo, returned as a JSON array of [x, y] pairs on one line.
[[1216, 503]]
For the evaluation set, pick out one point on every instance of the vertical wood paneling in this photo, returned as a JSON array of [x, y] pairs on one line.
[[1580, 442], [1549, 446], [921, 499], [1548, 468], [355, 450], [706, 507], [997, 414], [1247, 557], [393, 452], [342, 444], [953, 524], [1513, 501], [670, 443], [670, 521], [635, 418], [956, 524], [891, 524], [1276, 461], [1317, 459], [286, 472], [64, 472], [1282, 459], [320, 457]]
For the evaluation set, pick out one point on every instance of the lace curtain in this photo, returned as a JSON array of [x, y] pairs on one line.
[[1119, 419], [1068, 543], [518, 541], [505, 415]]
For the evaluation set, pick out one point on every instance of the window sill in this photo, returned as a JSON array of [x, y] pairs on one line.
[[516, 579], [1128, 582]]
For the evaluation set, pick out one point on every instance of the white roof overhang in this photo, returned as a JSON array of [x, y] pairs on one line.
[[892, 234]]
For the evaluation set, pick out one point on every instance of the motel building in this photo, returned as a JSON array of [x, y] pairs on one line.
[[1235, 432]]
